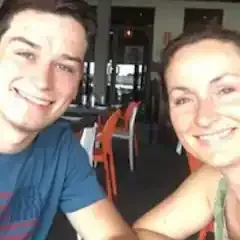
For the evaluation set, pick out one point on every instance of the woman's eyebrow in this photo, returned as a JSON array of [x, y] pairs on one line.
[[212, 81], [222, 76], [179, 88]]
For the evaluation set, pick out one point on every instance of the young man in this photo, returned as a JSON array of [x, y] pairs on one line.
[[42, 166]]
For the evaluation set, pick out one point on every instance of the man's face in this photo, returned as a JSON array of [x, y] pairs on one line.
[[41, 62], [201, 78]]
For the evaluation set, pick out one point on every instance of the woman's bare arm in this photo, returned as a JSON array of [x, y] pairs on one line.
[[185, 212]]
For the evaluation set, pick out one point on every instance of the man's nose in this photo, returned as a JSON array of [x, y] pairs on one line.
[[43, 77]]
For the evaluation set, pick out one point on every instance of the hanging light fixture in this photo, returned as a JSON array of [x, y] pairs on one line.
[[128, 32]]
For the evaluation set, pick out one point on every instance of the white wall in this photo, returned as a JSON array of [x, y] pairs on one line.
[[169, 16]]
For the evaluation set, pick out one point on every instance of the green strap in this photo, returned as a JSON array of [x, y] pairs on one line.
[[220, 230]]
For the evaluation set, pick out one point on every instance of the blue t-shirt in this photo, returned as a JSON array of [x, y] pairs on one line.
[[53, 173]]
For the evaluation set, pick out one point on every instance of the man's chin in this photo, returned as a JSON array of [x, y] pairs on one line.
[[30, 127]]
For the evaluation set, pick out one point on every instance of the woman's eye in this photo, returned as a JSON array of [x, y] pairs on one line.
[[182, 101], [27, 55], [226, 90], [65, 68]]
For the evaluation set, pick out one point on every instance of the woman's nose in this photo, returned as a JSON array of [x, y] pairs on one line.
[[206, 113]]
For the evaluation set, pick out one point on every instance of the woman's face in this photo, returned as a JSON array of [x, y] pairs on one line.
[[200, 78]]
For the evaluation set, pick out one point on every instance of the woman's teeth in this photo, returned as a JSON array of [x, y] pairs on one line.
[[216, 136]]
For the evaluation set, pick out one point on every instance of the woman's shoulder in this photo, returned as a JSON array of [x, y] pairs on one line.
[[211, 178]]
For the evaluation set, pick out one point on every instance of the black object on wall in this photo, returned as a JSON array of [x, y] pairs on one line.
[[194, 16]]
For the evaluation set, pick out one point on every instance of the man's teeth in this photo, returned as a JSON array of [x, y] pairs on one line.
[[34, 100], [216, 136]]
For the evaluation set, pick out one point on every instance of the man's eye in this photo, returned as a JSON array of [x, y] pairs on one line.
[[226, 90], [65, 68], [26, 55]]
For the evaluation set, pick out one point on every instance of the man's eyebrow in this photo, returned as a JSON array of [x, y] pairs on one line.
[[24, 40], [72, 58], [34, 45]]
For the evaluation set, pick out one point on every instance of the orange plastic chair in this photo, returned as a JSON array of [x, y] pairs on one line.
[[203, 233], [104, 153], [194, 164], [125, 118], [100, 123], [126, 115]]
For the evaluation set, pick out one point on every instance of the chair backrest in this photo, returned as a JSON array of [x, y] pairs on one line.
[[133, 117], [128, 113], [109, 129], [87, 141], [193, 162]]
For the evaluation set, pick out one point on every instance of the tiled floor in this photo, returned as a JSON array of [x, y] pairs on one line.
[[159, 170]]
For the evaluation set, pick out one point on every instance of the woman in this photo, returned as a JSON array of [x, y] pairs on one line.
[[202, 77]]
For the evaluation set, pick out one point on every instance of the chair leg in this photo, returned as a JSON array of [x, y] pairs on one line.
[[94, 164], [136, 144], [108, 180], [113, 174], [202, 235], [131, 153]]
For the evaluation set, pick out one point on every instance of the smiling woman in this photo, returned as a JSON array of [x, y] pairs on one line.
[[201, 75], [193, 99]]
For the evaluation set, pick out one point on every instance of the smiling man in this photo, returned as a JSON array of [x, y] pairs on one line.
[[43, 167]]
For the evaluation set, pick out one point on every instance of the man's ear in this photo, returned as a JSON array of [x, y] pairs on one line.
[[77, 90], [75, 96]]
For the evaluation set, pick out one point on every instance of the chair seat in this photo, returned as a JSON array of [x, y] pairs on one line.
[[120, 128], [121, 135], [72, 119]]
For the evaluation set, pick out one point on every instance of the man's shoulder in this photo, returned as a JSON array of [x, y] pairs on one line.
[[59, 125], [58, 140], [57, 129], [59, 134]]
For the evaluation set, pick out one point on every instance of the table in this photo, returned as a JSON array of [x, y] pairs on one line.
[[82, 117], [84, 111]]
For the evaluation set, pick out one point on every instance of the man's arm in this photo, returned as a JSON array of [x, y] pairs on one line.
[[100, 221], [83, 200], [185, 212]]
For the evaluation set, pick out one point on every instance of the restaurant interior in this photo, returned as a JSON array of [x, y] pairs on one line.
[[120, 112]]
